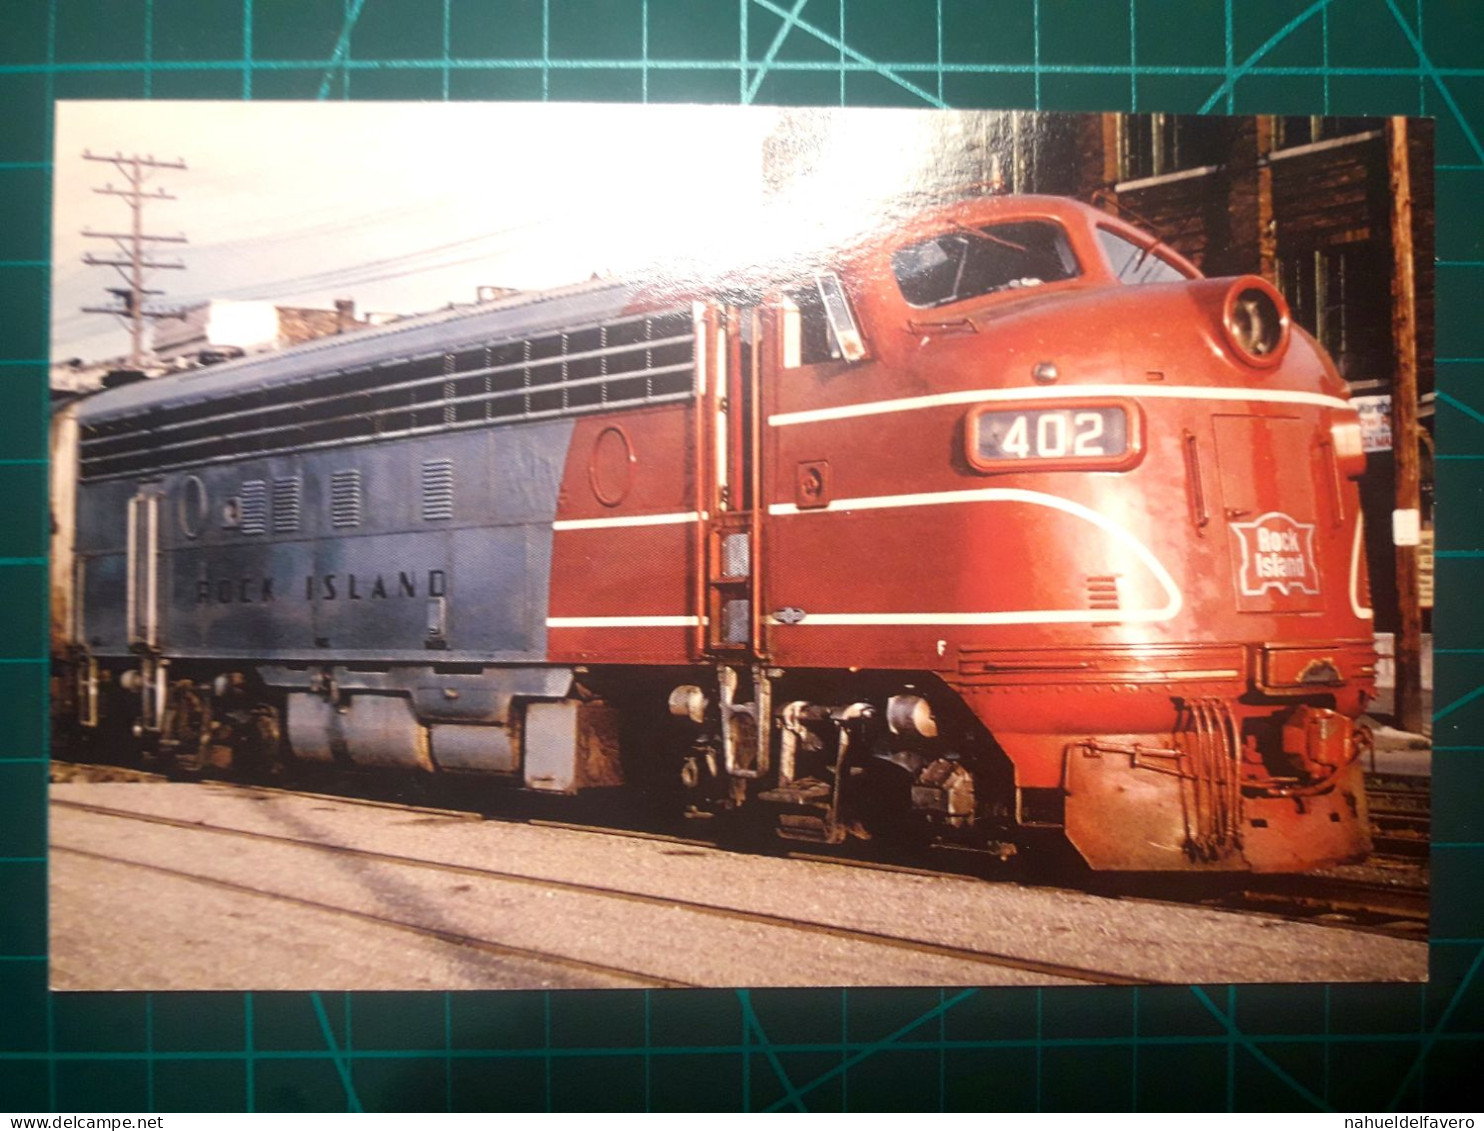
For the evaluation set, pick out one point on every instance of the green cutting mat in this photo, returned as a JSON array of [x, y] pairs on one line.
[[1287, 1047]]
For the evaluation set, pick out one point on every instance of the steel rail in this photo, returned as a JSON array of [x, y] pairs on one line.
[[1394, 912], [454, 938]]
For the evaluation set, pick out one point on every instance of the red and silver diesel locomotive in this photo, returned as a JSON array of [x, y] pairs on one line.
[[1005, 524]]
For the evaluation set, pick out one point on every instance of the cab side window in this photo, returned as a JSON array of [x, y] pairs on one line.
[[816, 341], [1134, 264]]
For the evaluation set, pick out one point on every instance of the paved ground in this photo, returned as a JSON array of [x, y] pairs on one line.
[[1398, 752], [146, 906]]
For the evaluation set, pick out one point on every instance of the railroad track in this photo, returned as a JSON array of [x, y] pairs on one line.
[[1401, 816], [1360, 905], [1398, 806], [487, 946], [736, 915]]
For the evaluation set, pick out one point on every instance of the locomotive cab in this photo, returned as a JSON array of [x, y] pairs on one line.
[[1108, 505]]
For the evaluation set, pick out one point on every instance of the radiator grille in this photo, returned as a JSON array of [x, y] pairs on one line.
[[286, 504], [254, 507], [345, 499], [437, 490]]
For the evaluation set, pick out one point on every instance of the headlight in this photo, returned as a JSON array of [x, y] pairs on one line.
[[1256, 322]]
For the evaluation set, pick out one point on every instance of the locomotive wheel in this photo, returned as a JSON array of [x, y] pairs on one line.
[[186, 728], [258, 749]]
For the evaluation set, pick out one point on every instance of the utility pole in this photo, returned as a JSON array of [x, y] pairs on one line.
[[1406, 519], [134, 257]]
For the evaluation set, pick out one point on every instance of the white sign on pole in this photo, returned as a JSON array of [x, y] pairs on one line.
[[1375, 421]]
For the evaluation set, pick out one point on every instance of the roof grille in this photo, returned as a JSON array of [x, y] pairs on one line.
[[437, 490], [628, 362], [254, 507], [345, 498], [286, 496]]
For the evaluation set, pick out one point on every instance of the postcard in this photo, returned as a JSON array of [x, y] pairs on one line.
[[543, 546]]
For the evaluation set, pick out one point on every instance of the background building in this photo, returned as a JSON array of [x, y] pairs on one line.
[[217, 330], [1307, 203]]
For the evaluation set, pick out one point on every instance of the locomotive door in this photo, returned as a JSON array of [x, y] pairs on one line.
[[728, 483], [1271, 509], [142, 602], [142, 585]]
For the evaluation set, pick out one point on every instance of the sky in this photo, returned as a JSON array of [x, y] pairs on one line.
[[406, 207]]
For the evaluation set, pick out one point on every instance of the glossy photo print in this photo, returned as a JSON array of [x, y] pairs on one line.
[[572, 546]]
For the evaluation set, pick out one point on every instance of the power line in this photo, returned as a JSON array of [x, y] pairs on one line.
[[368, 271], [266, 230], [135, 257]]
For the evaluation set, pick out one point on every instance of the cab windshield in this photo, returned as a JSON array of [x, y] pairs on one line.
[[968, 262]]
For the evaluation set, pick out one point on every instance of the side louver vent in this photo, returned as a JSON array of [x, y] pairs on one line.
[[254, 507], [1102, 592], [345, 498], [437, 490], [286, 496]]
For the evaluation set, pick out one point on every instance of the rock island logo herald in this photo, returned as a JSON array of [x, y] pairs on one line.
[[1277, 553]]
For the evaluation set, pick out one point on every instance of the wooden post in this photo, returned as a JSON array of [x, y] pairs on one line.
[[1112, 145], [1265, 128], [1404, 431]]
